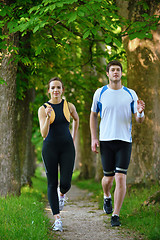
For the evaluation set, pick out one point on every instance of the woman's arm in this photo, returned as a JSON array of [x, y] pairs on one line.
[[44, 120], [75, 117]]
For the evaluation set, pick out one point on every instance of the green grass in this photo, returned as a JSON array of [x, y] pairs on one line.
[[135, 215], [23, 218]]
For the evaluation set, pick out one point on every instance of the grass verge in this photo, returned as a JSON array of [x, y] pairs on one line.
[[23, 217], [135, 214]]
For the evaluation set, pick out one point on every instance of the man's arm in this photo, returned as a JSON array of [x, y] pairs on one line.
[[93, 129], [139, 115]]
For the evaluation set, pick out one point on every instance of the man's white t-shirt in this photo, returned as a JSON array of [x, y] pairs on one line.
[[116, 108]]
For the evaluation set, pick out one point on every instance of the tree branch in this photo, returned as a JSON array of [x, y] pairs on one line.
[[63, 25]]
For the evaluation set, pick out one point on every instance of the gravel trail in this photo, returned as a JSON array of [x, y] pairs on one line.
[[82, 220]]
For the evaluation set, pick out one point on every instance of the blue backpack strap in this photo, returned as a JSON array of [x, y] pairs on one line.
[[132, 103], [99, 104]]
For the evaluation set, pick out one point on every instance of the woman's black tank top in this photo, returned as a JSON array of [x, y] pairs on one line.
[[59, 129]]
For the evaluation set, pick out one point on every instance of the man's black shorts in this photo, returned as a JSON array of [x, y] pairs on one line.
[[115, 156]]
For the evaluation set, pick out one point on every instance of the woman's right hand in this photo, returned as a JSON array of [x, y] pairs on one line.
[[48, 111]]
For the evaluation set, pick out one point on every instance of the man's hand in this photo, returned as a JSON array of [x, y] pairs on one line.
[[95, 144], [140, 106], [139, 115]]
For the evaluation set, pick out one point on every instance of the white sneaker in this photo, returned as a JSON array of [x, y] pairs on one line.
[[61, 203], [62, 200], [57, 226]]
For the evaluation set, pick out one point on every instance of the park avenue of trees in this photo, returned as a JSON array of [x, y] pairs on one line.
[[74, 40]]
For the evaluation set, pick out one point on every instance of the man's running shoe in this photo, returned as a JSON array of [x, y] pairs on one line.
[[107, 207], [115, 221], [57, 226]]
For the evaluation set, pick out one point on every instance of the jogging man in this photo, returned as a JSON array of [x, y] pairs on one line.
[[115, 103]]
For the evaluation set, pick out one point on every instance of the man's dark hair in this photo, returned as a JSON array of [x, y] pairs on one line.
[[114, 62]]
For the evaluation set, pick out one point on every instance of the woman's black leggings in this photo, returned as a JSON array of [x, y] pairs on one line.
[[56, 153]]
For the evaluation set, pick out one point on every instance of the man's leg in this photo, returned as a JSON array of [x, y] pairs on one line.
[[108, 163], [107, 183], [119, 195], [120, 192]]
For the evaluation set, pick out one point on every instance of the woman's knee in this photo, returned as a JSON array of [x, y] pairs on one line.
[[64, 187], [52, 182]]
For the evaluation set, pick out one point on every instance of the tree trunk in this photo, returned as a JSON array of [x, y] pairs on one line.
[[90, 162], [101, 77], [25, 149], [87, 169], [87, 164], [143, 57], [9, 164]]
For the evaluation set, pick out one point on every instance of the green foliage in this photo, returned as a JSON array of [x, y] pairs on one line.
[[141, 214], [58, 29], [2, 81], [79, 19], [23, 217]]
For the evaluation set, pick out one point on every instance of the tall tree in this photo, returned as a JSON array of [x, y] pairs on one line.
[[143, 58], [101, 77], [87, 169], [16, 159], [25, 98], [9, 164]]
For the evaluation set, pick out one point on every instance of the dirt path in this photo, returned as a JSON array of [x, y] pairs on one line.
[[82, 220]]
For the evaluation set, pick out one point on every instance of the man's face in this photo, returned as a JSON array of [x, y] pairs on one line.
[[114, 73]]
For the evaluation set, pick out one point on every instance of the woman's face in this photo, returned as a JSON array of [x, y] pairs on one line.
[[55, 89]]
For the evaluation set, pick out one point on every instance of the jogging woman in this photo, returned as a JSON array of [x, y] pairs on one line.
[[58, 145]]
